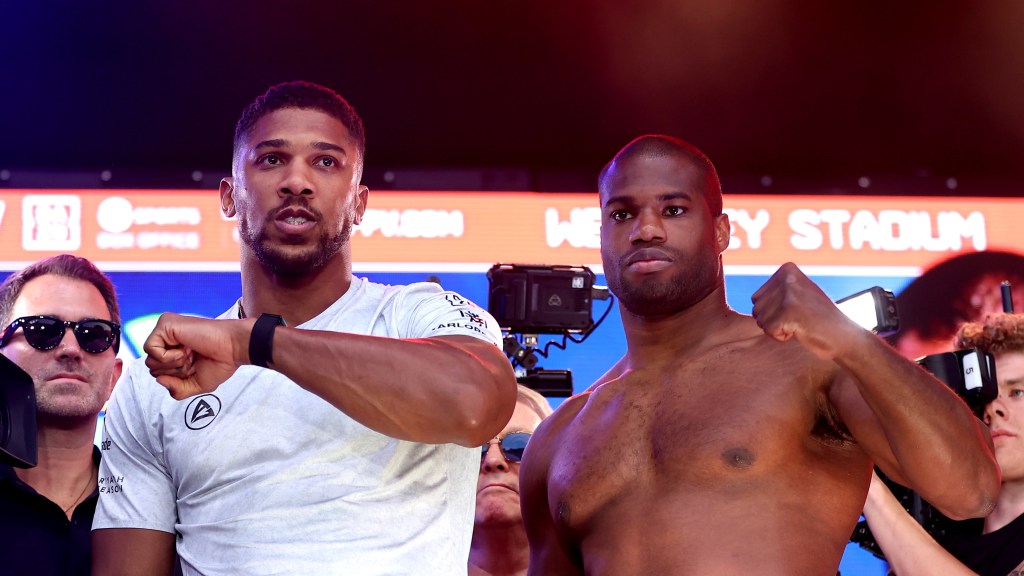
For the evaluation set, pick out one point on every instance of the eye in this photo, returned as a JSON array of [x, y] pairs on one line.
[[1016, 393], [675, 211], [269, 160], [327, 162], [619, 215]]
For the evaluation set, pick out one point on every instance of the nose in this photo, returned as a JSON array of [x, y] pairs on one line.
[[493, 459], [995, 408], [68, 347], [297, 181], [647, 228]]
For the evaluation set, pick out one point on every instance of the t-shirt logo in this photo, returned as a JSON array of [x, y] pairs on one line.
[[202, 411]]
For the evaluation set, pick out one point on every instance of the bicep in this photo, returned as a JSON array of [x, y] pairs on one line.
[[863, 424], [132, 552]]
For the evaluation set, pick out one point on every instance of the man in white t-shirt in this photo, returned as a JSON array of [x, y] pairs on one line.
[[324, 424]]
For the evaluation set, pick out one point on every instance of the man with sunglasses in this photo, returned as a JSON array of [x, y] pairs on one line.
[[499, 545], [722, 443], [60, 325], [325, 424]]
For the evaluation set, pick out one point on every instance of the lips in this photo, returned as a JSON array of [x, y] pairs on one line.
[[67, 376], [67, 380], [647, 260], [499, 485], [1000, 433], [294, 220]]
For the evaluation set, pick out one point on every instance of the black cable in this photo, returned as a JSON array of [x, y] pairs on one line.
[[583, 336], [566, 337]]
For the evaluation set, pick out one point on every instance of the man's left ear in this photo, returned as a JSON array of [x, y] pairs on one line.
[[362, 196], [723, 232], [115, 374], [227, 197]]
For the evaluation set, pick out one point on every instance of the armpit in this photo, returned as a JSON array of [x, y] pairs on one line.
[[828, 426]]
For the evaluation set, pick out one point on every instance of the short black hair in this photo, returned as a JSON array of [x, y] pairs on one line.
[[302, 95], [660, 146]]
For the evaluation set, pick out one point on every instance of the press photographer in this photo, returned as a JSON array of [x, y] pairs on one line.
[[994, 545]]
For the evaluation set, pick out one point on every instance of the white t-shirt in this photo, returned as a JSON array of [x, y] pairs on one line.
[[263, 477]]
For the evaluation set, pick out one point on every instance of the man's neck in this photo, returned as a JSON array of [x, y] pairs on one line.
[[65, 469], [651, 340], [297, 299], [500, 551]]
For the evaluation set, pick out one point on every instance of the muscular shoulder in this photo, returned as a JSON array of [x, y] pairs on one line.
[[789, 364], [547, 437]]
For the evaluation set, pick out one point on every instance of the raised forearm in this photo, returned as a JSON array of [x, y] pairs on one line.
[[444, 389], [909, 550]]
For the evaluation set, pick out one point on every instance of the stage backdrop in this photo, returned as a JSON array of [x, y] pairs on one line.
[[174, 250]]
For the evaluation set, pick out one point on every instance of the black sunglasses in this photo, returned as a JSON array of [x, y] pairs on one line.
[[46, 332], [512, 446]]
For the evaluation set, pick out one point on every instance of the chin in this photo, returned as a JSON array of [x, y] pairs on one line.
[[499, 516]]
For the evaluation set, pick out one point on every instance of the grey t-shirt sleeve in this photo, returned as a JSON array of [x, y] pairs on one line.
[[135, 487], [434, 311]]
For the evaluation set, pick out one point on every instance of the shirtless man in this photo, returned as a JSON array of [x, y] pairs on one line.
[[723, 443]]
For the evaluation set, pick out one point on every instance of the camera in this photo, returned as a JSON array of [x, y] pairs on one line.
[[970, 373], [536, 299], [874, 309], [532, 299], [18, 446]]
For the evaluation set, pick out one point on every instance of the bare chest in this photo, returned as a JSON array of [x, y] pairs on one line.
[[727, 425]]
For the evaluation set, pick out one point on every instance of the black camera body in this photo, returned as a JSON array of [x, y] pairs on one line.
[[18, 442], [970, 373], [535, 299]]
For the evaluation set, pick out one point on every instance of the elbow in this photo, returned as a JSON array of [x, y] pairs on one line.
[[477, 426], [976, 499], [475, 433], [978, 507], [487, 409]]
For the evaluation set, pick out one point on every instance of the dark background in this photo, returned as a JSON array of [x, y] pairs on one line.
[[526, 94]]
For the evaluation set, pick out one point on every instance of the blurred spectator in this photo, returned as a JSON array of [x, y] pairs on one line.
[[499, 538]]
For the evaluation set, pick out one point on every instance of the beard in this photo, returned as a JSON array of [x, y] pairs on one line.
[[295, 261], [660, 295], [70, 400]]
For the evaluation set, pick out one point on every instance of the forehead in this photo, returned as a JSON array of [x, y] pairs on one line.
[[66, 298], [1010, 367], [524, 419], [654, 176], [300, 126]]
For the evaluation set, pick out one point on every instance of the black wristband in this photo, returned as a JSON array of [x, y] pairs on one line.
[[261, 339]]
